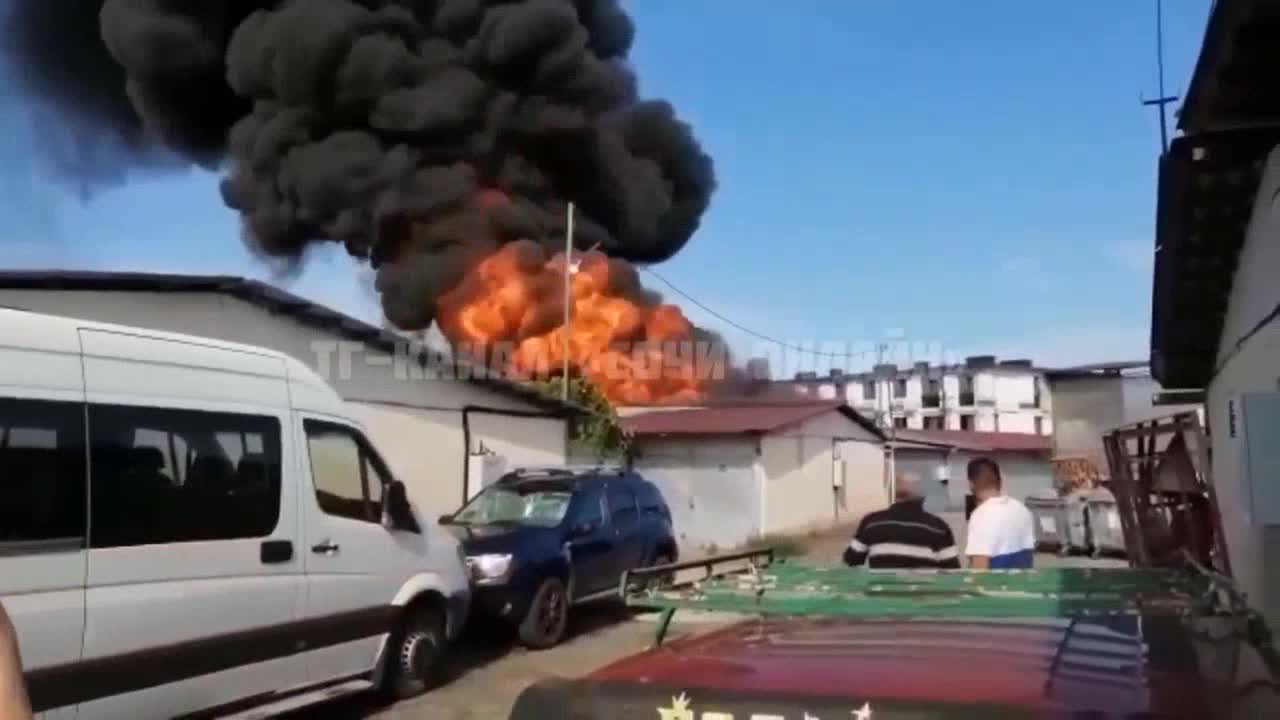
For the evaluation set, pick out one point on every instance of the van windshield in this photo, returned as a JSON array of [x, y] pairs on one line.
[[537, 507]]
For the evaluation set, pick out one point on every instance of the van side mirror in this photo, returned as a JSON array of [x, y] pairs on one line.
[[446, 519], [399, 510]]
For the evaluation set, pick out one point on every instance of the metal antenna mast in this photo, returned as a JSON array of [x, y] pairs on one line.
[[1160, 102]]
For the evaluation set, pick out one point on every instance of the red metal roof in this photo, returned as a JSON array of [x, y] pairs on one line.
[[979, 441], [930, 667], [735, 419]]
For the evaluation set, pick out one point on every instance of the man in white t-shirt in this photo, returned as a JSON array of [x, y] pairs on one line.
[[1001, 529]]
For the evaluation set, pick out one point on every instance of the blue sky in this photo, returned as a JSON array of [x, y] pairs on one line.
[[976, 176]]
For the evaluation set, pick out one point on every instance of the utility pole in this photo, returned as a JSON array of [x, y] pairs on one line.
[[887, 392], [1160, 102], [568, 297]]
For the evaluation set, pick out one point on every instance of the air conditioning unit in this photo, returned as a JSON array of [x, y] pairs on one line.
[[1253, 424]]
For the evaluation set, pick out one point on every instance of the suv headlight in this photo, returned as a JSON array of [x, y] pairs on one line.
[[491, 569]]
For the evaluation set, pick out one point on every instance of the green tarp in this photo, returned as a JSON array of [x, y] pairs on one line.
[[797, 589]]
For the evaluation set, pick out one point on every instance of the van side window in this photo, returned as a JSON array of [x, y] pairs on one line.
[[42, 474], [348, 477], [161, 475]]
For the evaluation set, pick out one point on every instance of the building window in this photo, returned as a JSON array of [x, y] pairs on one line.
[[170, 476], [900, 388], [42, 477], [1039, 426], [900, 423], [932, 397], [1035, 398], [966, 390], [933, 423], [349, 479], [966, 422], [869, 390]]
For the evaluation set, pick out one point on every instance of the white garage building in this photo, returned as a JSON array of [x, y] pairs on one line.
[[440, 425], [732, 473]]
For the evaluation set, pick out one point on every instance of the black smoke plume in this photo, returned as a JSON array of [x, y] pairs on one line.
[[385, 125]]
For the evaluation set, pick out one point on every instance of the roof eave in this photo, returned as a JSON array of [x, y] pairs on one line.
[[260, 294], [1208, 187]]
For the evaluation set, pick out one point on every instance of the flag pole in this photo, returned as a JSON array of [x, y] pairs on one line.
[[568, 295]]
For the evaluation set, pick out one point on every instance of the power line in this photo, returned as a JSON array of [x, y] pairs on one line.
[[749, 331]]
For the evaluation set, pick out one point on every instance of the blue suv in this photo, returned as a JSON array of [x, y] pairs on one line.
[[539, 541]]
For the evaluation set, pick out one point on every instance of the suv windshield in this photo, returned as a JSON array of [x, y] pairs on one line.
[[537, 506]]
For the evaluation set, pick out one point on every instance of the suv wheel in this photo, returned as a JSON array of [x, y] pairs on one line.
[[414, 653], [660, 581], [544, 625]]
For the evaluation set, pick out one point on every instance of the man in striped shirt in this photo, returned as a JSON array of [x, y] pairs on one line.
[[904, 535]]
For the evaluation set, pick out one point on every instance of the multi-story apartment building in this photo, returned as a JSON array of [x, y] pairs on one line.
[[982, 395]]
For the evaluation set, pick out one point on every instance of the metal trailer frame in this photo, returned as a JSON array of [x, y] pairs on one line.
[[1134, 454]]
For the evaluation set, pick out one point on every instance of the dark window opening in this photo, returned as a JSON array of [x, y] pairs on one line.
[[932, 396], [966, 422], [42, 471], [164, 476]]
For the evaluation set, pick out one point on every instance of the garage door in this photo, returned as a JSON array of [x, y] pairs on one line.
[[712, 490]]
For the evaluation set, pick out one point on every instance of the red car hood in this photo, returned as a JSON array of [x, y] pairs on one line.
[[1117, 667]]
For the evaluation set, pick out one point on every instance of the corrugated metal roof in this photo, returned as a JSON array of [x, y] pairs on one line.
[[265, 296], [737, 419], [978, 441]]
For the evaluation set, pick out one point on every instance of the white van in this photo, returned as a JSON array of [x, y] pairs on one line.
[[191, 527]]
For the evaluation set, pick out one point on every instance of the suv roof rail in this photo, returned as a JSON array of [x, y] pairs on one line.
[[536, 470]]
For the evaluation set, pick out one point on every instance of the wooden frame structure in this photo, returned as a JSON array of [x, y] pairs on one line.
[[1162, 481]]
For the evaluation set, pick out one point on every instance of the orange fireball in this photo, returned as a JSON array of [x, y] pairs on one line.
[[509, 310]]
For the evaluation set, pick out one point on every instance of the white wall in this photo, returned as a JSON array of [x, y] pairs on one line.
[[799, 467], [1024, 473], [1018, 422], [925, 464], [424, 449], [519, 441], [985, 419], [1254, 549], [1010, 391], [711, 485], [427, 451], [1085, 408]]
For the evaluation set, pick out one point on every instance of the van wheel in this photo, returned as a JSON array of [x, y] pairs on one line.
[[414, 653], [544, 625]]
